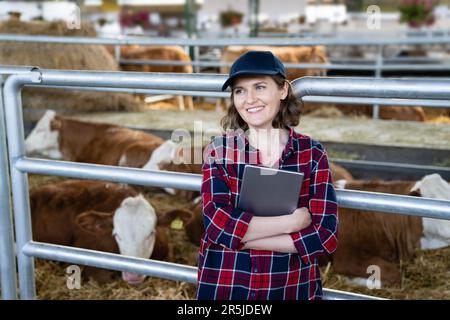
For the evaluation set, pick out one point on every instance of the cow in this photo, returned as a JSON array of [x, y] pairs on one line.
[[339, 173], [59, 138], [174, 53], [368, 238], [100, 143], [99, 216], [289, 54]]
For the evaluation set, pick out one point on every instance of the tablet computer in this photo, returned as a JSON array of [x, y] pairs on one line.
[[268, 191]]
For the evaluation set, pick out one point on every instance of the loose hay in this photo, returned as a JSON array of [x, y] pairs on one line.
[[51, 283], [427, 276], [64, 57]]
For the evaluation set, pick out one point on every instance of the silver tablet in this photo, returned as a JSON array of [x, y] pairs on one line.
[[269, 192]]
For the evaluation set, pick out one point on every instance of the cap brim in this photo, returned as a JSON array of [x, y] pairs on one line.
[[230, 80]]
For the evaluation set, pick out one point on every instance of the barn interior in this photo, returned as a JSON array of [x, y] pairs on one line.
[[400, 134]]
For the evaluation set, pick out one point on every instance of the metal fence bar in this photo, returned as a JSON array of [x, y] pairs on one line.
[[306, 86], [160, 269], [7, 257], [357, 41], [372, 88], [133, 80], [163, 179], [105, 260], [416, 206], [311, 99]]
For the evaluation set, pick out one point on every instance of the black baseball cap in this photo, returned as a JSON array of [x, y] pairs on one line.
[[255, 63]]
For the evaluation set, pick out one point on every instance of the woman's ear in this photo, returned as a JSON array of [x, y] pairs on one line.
[[285, 90]]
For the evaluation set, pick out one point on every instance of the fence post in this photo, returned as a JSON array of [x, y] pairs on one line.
[[22, 216], [378, 72], [7, 257]]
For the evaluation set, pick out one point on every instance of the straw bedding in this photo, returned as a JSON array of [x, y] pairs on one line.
[[427, 276]]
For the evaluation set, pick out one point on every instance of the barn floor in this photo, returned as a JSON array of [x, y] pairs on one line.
[[426, 277]]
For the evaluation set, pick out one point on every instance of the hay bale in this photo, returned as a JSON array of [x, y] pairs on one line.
[[64, 57]]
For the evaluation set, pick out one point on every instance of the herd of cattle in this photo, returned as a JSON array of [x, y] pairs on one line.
[[116, 218], [314, 55]]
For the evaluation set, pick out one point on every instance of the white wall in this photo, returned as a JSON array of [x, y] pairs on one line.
[[49, 10], [275, 11]]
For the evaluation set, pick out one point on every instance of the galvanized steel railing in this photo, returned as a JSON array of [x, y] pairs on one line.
[[20, 165]]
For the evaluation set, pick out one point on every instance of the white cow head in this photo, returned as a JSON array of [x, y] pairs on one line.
[[436, 232], [43, 140], [135, 231], [132, 225], [165, 153]]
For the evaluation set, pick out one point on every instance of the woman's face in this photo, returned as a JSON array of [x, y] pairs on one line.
[[257, 100]]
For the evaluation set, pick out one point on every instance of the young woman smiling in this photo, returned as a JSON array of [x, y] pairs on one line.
[[243, 256]]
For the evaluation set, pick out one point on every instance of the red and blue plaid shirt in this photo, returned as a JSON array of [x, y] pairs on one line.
[[227, 272]]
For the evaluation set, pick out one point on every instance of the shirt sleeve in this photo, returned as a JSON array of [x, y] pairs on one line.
[[225, 224], [321, 236]]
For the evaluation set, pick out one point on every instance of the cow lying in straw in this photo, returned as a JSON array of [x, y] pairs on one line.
[[100, 216]]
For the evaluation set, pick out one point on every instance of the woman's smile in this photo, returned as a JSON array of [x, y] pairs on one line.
[[255, 109]]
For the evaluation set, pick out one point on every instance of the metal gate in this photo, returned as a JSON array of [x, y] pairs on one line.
[[20, 165]]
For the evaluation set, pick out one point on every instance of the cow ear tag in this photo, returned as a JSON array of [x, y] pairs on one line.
[[176, 224]]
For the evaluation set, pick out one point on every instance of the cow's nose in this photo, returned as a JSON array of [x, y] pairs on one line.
[[132, 278]]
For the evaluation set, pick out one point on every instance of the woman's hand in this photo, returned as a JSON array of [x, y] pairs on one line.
[[300, 219]]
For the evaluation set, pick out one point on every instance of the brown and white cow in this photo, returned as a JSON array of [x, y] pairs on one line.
[[368, 238], [174, 53], [100, 143], [59, 138], [98, 216]]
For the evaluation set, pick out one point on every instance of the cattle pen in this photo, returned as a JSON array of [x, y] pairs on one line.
[[19, 166], [378, 66]]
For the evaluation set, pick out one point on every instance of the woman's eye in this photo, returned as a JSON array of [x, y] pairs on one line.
[[237, 91], [260, 87]]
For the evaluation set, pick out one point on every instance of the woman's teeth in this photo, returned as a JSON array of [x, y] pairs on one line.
[[256, 109]]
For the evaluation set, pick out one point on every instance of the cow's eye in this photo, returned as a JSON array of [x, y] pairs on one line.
[[151, 234], [116, 236]]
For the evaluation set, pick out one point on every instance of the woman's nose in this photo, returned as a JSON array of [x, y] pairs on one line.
[[251, 97]]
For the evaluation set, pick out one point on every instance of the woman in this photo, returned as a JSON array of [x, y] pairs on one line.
[[243, 256]]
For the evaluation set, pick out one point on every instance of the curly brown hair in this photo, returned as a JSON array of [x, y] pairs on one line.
[[289, 114]]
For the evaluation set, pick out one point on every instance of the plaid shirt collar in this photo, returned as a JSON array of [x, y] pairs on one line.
[[242, 138]]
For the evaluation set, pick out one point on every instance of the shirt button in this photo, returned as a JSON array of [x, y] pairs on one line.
[[255, 269], [253, 294]]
